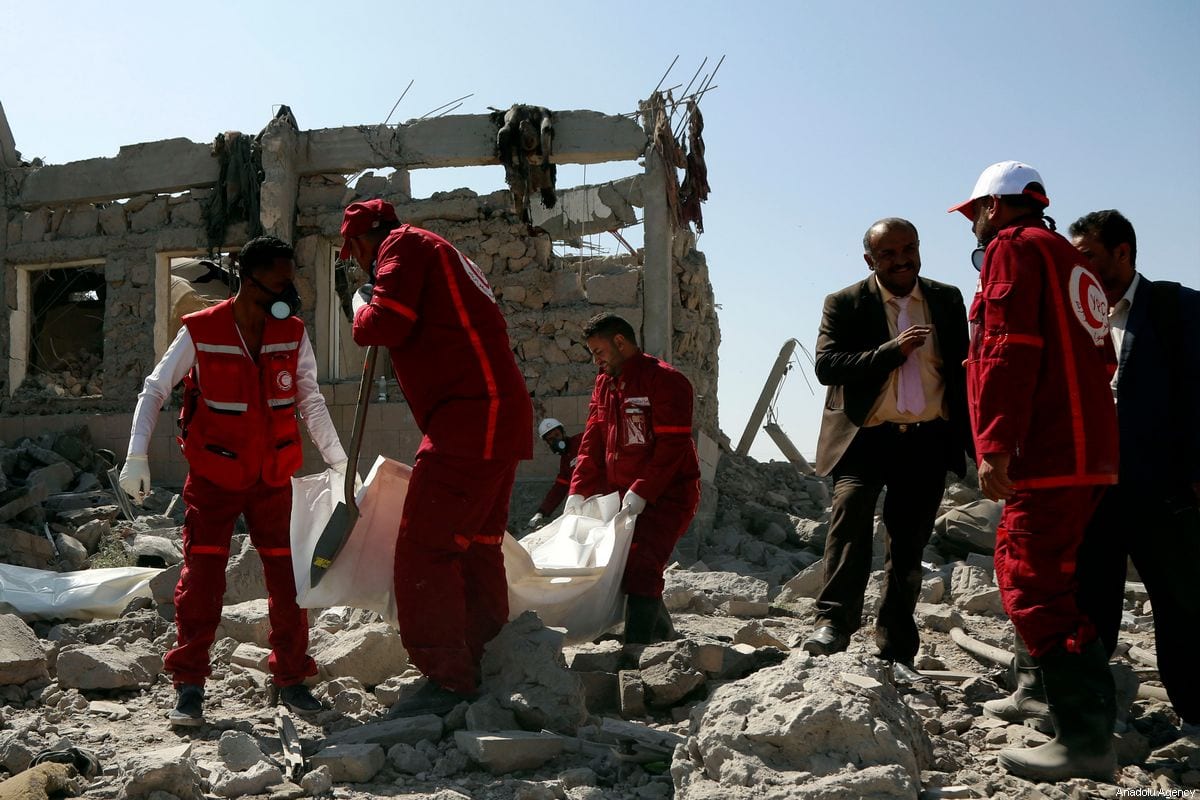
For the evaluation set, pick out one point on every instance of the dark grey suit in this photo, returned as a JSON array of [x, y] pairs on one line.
[[856, 354]]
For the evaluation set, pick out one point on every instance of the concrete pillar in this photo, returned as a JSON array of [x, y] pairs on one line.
[[8, 146], [657, 272], [8, 160], [281, 176]]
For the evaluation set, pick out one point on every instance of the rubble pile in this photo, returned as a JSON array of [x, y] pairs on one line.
[[731, 709], [81, 374]]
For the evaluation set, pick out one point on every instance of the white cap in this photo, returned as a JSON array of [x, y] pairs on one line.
[[1006, 177], [547, 425]]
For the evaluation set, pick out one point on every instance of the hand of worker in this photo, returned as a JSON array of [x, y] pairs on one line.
[[341, 467], [535, 521], [135, 477], [362, 297], [574, 503], [993, 476], [633, 503]]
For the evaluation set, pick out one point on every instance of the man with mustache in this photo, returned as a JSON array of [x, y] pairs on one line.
[[247, 367], [890, 349]]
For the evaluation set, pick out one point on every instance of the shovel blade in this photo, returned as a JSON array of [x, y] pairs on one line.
[[333, 537]]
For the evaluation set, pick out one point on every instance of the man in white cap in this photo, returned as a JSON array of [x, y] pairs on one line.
[[1045, 433], [567, 449]]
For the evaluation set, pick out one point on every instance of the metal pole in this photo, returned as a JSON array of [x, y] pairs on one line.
[[764, 399]]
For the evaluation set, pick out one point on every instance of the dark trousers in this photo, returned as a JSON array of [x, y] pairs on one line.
[[655, 534], [1160, 532], [911, 464]]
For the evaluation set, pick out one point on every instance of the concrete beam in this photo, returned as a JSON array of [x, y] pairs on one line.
[[170, 165], [8, 146], [658, 276], [580, 137]]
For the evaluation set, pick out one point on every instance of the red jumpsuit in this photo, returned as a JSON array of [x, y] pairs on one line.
[[566, 468], [1038, 388], [434, 310], [242, 445], [639, 438]]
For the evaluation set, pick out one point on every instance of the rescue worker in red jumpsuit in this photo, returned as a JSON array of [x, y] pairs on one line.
[[1045, 430], [567, 449], [247, 367], [638, 441], [435, 312]]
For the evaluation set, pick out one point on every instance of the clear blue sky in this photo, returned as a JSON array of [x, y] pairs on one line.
[[828, 116]]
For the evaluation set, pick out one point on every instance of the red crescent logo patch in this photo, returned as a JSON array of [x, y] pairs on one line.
[[1089, 303], [283, 379]]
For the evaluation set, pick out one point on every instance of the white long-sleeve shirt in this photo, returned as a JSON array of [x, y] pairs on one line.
[[181, 357]]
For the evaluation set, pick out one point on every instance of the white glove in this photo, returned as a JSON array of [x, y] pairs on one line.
[[535, 521], [633, 503], [135, 477], [341, 467], [362, 297], [574, 503]]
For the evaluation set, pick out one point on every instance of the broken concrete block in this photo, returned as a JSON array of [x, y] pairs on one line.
[[829, 738], [523, 667], [145, 550], [372, 654], [669, 682], [21, 656], [34, 496], [170, 770], [486, 714], [508, 751], [25, 549], [603, 656], [54, 477], [244, 577], [807, 584], [352, 763], [106, 666], [408, 759], [254, 780], [15, 752], [248, 622], [756, 634], [633, 694], [409, 730], [249, 655], [90, 534], [72, 554], [746, 608], [317, 781], [938, 617], [683, 587]]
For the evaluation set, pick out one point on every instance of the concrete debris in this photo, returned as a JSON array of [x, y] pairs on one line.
[[22, 658], [523, 667], [732, 709]]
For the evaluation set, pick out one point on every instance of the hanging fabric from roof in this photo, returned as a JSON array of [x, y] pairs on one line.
[[694, 190], [239, 182]]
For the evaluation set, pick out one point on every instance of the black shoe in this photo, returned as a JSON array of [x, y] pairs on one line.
[[906, 673], [641, 619], [825, 641], [299, 698], [189, 706], [429, 699]]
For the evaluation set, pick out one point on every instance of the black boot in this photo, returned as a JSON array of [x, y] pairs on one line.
[[641, 619], [1079, 692], [664, 631], [1028, 701]]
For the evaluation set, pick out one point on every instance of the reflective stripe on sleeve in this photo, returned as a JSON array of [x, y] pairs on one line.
[[393, 305]]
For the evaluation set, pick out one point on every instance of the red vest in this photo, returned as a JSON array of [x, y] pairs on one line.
[[239, 418]]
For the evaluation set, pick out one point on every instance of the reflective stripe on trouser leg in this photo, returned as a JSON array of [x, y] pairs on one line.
[[446, 534], [1036, 547], [209, 515], [268, 516]]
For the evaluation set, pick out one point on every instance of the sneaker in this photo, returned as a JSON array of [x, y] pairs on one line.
[[429, 699], [300, 699], [189, 706]]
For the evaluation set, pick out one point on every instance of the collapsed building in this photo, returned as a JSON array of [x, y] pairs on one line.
[[100, 258]]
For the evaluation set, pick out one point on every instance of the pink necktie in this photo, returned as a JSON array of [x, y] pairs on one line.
[[910, 395]]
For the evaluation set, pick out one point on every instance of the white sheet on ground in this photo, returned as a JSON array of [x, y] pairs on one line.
[[85, 594]]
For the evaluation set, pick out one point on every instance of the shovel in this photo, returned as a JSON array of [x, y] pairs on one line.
[[345, 514]]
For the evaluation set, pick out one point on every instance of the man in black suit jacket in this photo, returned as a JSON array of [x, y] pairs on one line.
[[891, 351], [1152, 515]]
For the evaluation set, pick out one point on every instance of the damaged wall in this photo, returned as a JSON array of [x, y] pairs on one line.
[[130, 240]]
